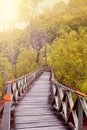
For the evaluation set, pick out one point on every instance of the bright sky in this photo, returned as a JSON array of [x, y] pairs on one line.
[[8, 10], [48, 3]]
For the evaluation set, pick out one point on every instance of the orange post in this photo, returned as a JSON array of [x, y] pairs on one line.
[[7, 98]]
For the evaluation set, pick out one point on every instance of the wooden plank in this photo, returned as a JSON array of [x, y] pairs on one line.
[[30, 126], [43, 128]]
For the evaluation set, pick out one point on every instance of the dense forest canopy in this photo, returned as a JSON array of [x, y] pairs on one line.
[[58, 33]]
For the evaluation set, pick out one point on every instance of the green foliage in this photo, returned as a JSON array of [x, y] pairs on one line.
[[5, 70], [16, 57], [26, 61], [82, 86], [69, 58], [64, 32]]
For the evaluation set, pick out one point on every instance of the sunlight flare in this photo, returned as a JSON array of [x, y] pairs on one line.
[[7, 10]]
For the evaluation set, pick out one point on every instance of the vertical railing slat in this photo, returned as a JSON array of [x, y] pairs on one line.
[[72, 105], [80, 115], [16, 89]]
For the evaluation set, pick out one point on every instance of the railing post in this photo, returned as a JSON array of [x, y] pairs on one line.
[[80, 115], [75, 109], [14, 90], [7, 112]]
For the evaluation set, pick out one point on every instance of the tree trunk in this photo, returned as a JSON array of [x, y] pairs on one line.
[[37, 58]]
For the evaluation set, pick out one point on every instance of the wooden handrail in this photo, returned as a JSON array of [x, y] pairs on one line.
[[16, 89], [7, 112], [71, 104]]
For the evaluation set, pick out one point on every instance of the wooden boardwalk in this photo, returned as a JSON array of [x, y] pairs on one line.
[[34, 112]]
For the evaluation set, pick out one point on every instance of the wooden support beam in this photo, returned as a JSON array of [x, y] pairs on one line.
[[80, 115], [5, 125]]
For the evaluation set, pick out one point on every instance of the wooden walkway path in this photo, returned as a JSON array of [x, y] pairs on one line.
[[34, 112]]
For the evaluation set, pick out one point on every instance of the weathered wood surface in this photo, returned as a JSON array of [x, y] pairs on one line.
[[70, 104], [34, 111], [6, 113], [15, 90]]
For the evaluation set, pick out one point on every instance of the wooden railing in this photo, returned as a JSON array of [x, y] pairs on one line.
[[15, 91], [70, 104]]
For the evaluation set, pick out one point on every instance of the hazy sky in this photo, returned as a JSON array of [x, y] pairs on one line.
[[7, 9], [48, 3], [51, 2]]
